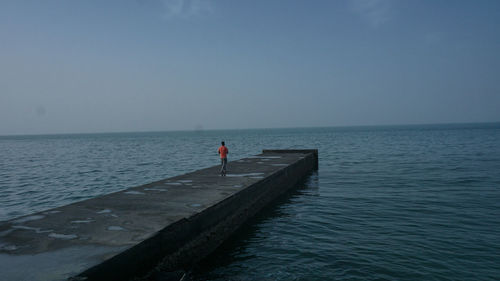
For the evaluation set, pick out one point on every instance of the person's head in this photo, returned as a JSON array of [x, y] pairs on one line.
[[223, 143]]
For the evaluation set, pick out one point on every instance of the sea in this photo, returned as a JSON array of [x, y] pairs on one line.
[[416, 202]]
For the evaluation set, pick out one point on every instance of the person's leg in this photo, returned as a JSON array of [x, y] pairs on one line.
[[224, 165]]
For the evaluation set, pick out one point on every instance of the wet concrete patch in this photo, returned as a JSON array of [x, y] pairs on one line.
[[133, 192], [63, 236], [81, 221], [155, 189], [115, 228], [30, 228], [8, 247], [264, 157], [28, 218]]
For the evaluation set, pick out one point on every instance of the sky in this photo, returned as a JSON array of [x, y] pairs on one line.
[[120, 66]]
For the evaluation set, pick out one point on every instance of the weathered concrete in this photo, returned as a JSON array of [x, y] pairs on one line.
[[170, 223]]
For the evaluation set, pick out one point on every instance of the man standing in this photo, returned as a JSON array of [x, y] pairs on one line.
[[223, 158]]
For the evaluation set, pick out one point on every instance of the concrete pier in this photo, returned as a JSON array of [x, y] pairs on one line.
[[168, 224]]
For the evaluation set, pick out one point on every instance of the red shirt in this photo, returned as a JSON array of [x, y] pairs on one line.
[[223, 152]]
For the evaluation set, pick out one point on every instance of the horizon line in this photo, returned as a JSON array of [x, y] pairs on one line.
[[255, 128]]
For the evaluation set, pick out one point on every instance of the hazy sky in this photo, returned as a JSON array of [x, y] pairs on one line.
[[107, 66]]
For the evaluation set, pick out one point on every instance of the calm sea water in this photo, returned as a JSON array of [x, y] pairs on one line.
[[400, 203]]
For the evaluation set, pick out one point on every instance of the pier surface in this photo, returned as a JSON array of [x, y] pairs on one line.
[[168, 224]]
